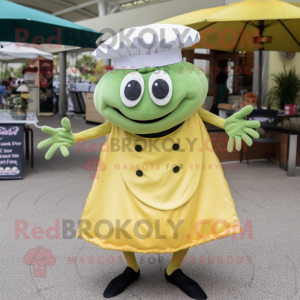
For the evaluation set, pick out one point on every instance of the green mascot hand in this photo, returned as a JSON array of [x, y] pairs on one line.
[[238, 128], [62, 138]]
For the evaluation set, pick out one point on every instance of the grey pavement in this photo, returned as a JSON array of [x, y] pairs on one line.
[[263, 264]]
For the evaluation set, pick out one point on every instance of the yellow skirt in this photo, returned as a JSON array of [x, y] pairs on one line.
[[158, 195]]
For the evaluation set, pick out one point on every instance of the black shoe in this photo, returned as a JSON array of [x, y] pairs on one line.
[[186, 284], [121, 282]]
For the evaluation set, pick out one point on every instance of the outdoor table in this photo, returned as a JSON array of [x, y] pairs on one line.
[[292, 139], [281, 115], [225, 113], [12, 128]]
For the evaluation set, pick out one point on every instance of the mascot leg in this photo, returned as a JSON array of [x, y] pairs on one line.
[[176, 261], [121, 282], [175, 276], [131, 260]]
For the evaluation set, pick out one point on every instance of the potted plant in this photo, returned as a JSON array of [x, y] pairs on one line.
[[22, 100], [285, 92], [18, 104]]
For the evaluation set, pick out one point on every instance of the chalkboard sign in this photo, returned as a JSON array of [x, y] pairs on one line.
[[11, 151]]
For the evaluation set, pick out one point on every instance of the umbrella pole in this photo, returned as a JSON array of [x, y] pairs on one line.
[[260, 78], [62, 107], [75, 70]]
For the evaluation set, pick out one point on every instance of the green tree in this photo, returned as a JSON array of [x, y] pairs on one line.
[[9, 72], [86, 64], [56, 61], [18, 72]]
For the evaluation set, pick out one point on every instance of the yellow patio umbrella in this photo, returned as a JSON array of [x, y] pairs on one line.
[[248, 25]]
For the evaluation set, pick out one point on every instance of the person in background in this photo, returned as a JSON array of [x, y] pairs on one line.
[[54, 103], [220, 92], [11, 82], [2, 94], [10, 87], [5, 84]]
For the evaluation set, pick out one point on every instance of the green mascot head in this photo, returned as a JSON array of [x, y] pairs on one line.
[[150, 100]]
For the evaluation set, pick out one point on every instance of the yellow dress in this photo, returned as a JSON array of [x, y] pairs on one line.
[[159, 198]]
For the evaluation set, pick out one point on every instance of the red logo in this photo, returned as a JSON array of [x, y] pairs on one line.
[[94, 165], [39, 258]]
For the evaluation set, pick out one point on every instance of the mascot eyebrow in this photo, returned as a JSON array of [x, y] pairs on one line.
[[152, 199]]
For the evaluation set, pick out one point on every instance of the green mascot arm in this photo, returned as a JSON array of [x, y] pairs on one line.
[[235, 126], [63, 138]]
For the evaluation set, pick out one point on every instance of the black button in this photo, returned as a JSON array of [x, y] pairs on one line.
[[176, 169], [139, 173], [138, 148], [175, 147]]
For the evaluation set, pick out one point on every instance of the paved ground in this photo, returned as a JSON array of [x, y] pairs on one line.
[[266, 266]]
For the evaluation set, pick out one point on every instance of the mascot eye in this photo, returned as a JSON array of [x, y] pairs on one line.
[[132, 89], [160, 87]]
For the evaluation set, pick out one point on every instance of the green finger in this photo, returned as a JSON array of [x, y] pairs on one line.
[[51, 151], [238, 143], [244, 112], [49, 130], [230, 144], [252, 132], [45, 143], [65, 122], [64, 151], [253, 124], [246, 138]]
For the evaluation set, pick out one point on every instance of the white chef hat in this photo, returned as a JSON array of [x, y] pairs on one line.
[[152, 45]]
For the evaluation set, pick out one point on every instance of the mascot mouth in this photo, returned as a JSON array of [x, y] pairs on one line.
[[146, 121]]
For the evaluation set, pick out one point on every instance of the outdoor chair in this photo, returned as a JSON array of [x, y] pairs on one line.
[[268, 119], [78, 102]]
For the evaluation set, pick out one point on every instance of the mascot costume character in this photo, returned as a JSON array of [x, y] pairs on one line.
[[163, 189]]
